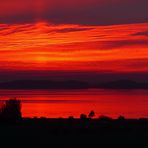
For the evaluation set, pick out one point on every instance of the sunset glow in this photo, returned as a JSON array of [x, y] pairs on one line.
[[44, 46], [76, 47]]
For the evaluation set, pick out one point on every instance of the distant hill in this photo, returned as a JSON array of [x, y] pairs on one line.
[[43, 84], [123, 84], [72, 84]]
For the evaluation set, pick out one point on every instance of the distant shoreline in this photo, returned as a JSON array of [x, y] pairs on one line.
[[72, 84]]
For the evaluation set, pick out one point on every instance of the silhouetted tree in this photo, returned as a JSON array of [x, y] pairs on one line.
[[83, 116], [91, 114], [11, 110]]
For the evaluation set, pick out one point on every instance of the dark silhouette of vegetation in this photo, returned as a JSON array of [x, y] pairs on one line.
[[70, 117], [121, 118], [83, 116], [91, 114], [104, 118], [11, 110], [70, 132]]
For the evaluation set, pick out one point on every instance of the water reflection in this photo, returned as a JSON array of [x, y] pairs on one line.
[[64, 103]]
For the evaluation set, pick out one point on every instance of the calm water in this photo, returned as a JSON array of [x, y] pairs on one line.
[[64, 103]]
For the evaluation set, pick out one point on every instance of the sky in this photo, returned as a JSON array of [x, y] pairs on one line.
[[73, 39]]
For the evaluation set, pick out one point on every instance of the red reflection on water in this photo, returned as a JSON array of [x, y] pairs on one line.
[[64, 103]]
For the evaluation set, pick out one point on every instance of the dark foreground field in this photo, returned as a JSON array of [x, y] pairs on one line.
[[74, 133]]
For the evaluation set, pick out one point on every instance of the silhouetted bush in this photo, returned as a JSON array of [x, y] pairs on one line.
[[121, 118], [83, 116], [71, 117], [91, 114], [11, 110], [105, 118]]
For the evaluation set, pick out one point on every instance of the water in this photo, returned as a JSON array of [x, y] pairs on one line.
[[65, 103]]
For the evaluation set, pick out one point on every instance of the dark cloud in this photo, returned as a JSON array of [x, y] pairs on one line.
[[66, 30], [143, 33], [88, 12], [9, 30], [108, 45], [124, 43]]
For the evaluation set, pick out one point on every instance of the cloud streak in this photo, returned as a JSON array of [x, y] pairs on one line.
[[53, 47], [143, 33]]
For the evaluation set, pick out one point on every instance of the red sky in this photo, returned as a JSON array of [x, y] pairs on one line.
[[74, 47], [68, 35]]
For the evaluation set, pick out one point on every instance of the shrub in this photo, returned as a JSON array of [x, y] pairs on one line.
[[83, 116]]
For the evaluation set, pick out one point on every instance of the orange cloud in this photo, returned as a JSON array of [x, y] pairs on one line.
[[46, 46]]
